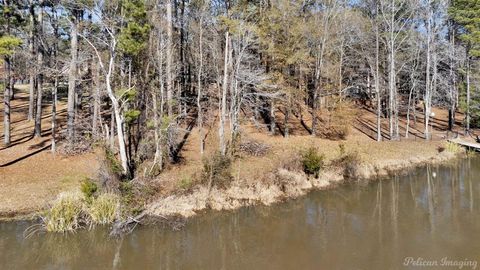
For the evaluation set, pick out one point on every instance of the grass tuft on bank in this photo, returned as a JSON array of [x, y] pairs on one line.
[[66, 213], [73, 210], [105, 209]]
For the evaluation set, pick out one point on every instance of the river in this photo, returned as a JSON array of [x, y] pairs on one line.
[[427, 216]]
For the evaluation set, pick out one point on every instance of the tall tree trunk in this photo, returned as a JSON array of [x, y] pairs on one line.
[[407, 125], [393, 113], [467, 128], [32, 72], [7, 90], [182, 87], [6, 98], [199, 86], [54, 113], [326, 18], [377, 82], [169, 59], [112, 130], [156, 124], [316, 94], [221, 130], [287, 116], [118, 117], [158, 113], [272, 117], [392, 87], [96, 100], [55, 84], [72, 77], [453, 86], [233, 94], [426, 99], [340, 69], [38, 115]]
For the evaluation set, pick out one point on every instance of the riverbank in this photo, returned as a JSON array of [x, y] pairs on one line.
[[31, 177], [278, 176], [267, 179]]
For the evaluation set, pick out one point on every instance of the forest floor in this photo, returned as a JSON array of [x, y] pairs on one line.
[[31, 176]]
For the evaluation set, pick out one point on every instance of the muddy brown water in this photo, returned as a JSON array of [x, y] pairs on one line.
[[428, 217]]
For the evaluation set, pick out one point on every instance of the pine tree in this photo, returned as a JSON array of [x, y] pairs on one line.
[[466, 14], [282, 36]]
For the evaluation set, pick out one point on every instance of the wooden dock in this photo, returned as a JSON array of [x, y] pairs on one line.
[[468, 144]]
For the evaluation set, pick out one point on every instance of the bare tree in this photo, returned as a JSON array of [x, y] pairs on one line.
[[31, 49], [324, 19], [72, 73], [396, 16], [223, 106], [108, 66], [169, 68]]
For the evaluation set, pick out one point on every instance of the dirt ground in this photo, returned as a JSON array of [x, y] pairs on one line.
[[30, 175]]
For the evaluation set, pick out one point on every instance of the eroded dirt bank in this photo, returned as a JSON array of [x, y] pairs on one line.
[[281, 184]]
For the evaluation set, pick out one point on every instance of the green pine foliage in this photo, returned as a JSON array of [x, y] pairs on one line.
[[134, 35], [8, 44], [10, 17], [466, 13], [312, 161]]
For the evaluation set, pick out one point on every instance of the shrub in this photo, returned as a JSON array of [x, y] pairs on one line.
[[186, 183], [127, 190], [217, 170], [349, 161], [312, 161], [105, 208], [113, 164], [88, 188], [110, 171], [65, 214]]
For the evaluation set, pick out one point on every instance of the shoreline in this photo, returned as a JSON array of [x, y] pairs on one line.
[[279, 184], [285, 186]]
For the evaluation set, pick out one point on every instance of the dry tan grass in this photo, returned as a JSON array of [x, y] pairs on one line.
[[105, 208]]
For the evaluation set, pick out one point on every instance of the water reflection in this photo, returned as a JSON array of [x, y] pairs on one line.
[[430, 212]]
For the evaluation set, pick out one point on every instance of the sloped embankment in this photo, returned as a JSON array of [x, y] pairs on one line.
[[282, 184]]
